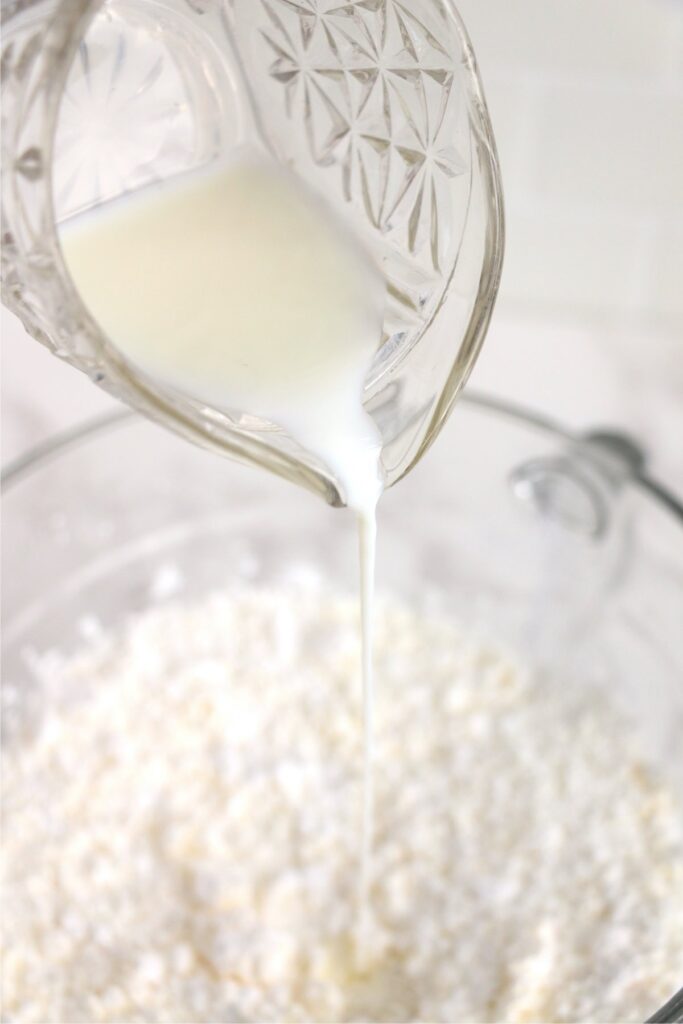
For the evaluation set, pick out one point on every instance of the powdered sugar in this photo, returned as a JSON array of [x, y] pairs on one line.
[[182, 834]]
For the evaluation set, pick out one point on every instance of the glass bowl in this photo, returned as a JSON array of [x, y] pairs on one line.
[[558, 544]]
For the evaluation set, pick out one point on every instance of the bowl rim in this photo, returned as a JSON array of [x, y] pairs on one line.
[[63, 441], [51, 449]]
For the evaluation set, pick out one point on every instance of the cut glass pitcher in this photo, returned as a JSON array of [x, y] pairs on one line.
[[375, 104]]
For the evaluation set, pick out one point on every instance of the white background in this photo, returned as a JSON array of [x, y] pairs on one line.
[[586, 98]]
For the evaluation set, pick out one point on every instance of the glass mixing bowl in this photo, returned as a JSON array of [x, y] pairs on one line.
[[556, 543]]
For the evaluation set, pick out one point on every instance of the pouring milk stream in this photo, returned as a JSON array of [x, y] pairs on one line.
[[241, 290], [236, 289]]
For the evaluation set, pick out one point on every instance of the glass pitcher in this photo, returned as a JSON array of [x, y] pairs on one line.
[[375, 104]]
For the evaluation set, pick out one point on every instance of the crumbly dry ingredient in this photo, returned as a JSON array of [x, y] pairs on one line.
[[181, 837]]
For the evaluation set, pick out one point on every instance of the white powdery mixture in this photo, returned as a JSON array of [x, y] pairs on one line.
[[182, 838]]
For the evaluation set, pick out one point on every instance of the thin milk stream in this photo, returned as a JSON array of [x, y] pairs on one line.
[[239, 289]]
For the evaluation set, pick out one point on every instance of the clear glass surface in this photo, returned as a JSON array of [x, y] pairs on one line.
[[377, 106], [513, 527]]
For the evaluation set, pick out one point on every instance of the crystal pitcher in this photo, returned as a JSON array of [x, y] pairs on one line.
[[375, 104]]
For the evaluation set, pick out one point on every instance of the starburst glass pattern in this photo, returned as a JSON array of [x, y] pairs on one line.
[[124, 118], [376, 103], [365, 98]]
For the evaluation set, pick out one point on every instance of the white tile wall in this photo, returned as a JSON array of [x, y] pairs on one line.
[[580, 260], [577, 37], [586, 98], [616, 148], [666, 271]]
